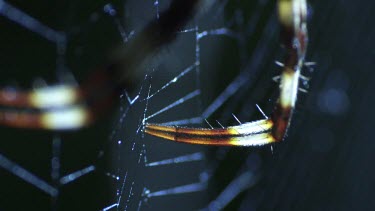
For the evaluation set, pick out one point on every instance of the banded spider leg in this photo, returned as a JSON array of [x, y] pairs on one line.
[[292, 15]]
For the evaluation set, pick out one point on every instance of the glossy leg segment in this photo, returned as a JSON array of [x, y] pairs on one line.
[[248, 134]]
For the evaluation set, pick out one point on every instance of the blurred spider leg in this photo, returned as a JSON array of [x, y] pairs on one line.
[[67, 117], [40, 98], [66, 107], [56, 119], [292, 17]]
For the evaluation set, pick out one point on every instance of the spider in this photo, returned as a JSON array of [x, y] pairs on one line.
[[66, 107]]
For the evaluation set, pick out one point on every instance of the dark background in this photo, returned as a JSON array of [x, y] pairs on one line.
[[325, 163]]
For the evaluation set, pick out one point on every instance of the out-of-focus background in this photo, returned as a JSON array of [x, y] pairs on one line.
[[221, 64]]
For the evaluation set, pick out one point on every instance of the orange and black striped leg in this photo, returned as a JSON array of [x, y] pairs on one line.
[[292, 17], [248, 134]]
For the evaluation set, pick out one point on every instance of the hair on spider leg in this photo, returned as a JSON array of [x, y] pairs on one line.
[[208, 123], [280, 64], [309, 64], [217, 121], [305, 79], [261, 111], [234, 116], [302, 90]]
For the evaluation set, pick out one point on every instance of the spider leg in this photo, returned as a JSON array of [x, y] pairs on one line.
[[40, 98], [292, 18], [247, 134], [57, 107], [68, 118]]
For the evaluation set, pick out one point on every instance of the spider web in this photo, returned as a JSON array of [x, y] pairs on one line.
[[203, 78]]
